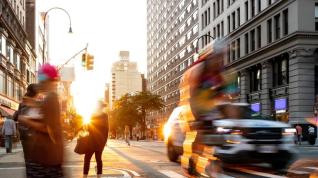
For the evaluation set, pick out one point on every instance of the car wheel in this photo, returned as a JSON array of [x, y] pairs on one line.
[[279, 165], [172, 154]]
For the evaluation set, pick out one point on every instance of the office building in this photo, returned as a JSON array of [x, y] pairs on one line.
[[171, 41], [272, 47]]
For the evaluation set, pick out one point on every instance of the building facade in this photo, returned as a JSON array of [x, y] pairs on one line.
[[125, 78], [17, 57], [171, 41], [272, 47]]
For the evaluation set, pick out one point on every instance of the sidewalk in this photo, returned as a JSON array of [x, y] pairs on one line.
[[16, 149]]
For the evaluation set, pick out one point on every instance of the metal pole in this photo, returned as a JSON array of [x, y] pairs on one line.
[[44, 28], [84, 49]]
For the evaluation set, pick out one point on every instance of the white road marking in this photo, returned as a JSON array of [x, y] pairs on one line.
[[313, 168], [258, 173], [297, 172], [171, 174], [11, 168], [131, 171]]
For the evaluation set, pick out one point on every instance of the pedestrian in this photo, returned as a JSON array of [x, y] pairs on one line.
[[299, 132], [47, 140], [98, 134], [127, 134], [28, 106], [311, 135], [8, 131]]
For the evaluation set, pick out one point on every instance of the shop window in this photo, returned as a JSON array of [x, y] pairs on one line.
[[280, 71], [255, 79]]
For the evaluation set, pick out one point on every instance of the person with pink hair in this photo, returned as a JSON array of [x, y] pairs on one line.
[[47, 150]]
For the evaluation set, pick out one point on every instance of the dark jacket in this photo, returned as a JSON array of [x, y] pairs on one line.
[[98, 131]]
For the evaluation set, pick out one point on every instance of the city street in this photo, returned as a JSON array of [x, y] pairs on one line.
[[148, 159]]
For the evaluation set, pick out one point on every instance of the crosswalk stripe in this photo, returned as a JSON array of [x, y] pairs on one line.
[[171, 174], [258, 173]]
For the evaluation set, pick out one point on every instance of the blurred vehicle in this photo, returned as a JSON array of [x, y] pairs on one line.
[[174, 134]]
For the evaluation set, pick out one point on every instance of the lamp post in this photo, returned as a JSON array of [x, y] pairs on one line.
[[44, 27]]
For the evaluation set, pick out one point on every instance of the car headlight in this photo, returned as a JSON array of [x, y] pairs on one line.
[[222, 130], [166, 131], [289, 131]]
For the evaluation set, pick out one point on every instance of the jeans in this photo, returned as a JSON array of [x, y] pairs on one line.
[[99, 162], [8, 143]]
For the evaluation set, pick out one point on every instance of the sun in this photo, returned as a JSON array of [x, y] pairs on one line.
[[86, 91]]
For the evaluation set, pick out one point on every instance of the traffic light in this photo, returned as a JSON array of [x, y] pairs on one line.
[[88, 61], [84, 59]]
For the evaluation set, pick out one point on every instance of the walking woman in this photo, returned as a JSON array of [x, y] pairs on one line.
[[46, 150], [98, 134], [27, 107]]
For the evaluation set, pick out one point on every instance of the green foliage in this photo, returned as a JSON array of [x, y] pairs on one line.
[[132, 109]]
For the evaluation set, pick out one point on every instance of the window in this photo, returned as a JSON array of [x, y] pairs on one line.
[[202, 21], [280, 70], [259, 36], [218, 6], [246, 11], [222, 29], [269, 2], [238, 17], [277, 26], [228, 25], [252, 40], [0, 44], [222, 5], [259, 6], [233, 51], [209, 16], [253, 8], [246, 43], [316, 16], [255, 79], [214, 11], [205, 18], [233, 21], [214, 32], [238, 47], [218, 30], [2, 82], [285, 22], [10, 87], [269, 31]]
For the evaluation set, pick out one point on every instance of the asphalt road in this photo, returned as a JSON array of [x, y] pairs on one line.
[[148, 159]]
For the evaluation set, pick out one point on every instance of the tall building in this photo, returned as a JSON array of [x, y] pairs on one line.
[[35, 31], [125, 78], [272, 47], [17, 57], [172, 32]]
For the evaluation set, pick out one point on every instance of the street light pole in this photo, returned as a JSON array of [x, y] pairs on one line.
[[44, 28]]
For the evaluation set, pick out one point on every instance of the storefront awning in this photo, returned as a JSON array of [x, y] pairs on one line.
[[5, 112]]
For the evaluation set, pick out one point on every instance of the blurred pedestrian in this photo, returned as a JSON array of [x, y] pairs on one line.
[[28, 106], [8, 131], [98, 134], [47, 140], [311, 135], [299, 133], [127, 134]]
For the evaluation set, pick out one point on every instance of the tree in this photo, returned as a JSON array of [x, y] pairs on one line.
[[124, 113], [145, 102]]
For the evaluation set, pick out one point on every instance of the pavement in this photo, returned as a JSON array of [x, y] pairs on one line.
[[148, 159]]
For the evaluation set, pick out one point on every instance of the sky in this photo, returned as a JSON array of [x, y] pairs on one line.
[[108, 26]]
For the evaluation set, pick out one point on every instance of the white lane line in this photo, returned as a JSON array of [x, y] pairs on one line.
[[313, 168], [171, 174], [297, 172], [258, 173], [131, 171]]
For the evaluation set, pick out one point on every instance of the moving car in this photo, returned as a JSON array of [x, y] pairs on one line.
[[241, 136]]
